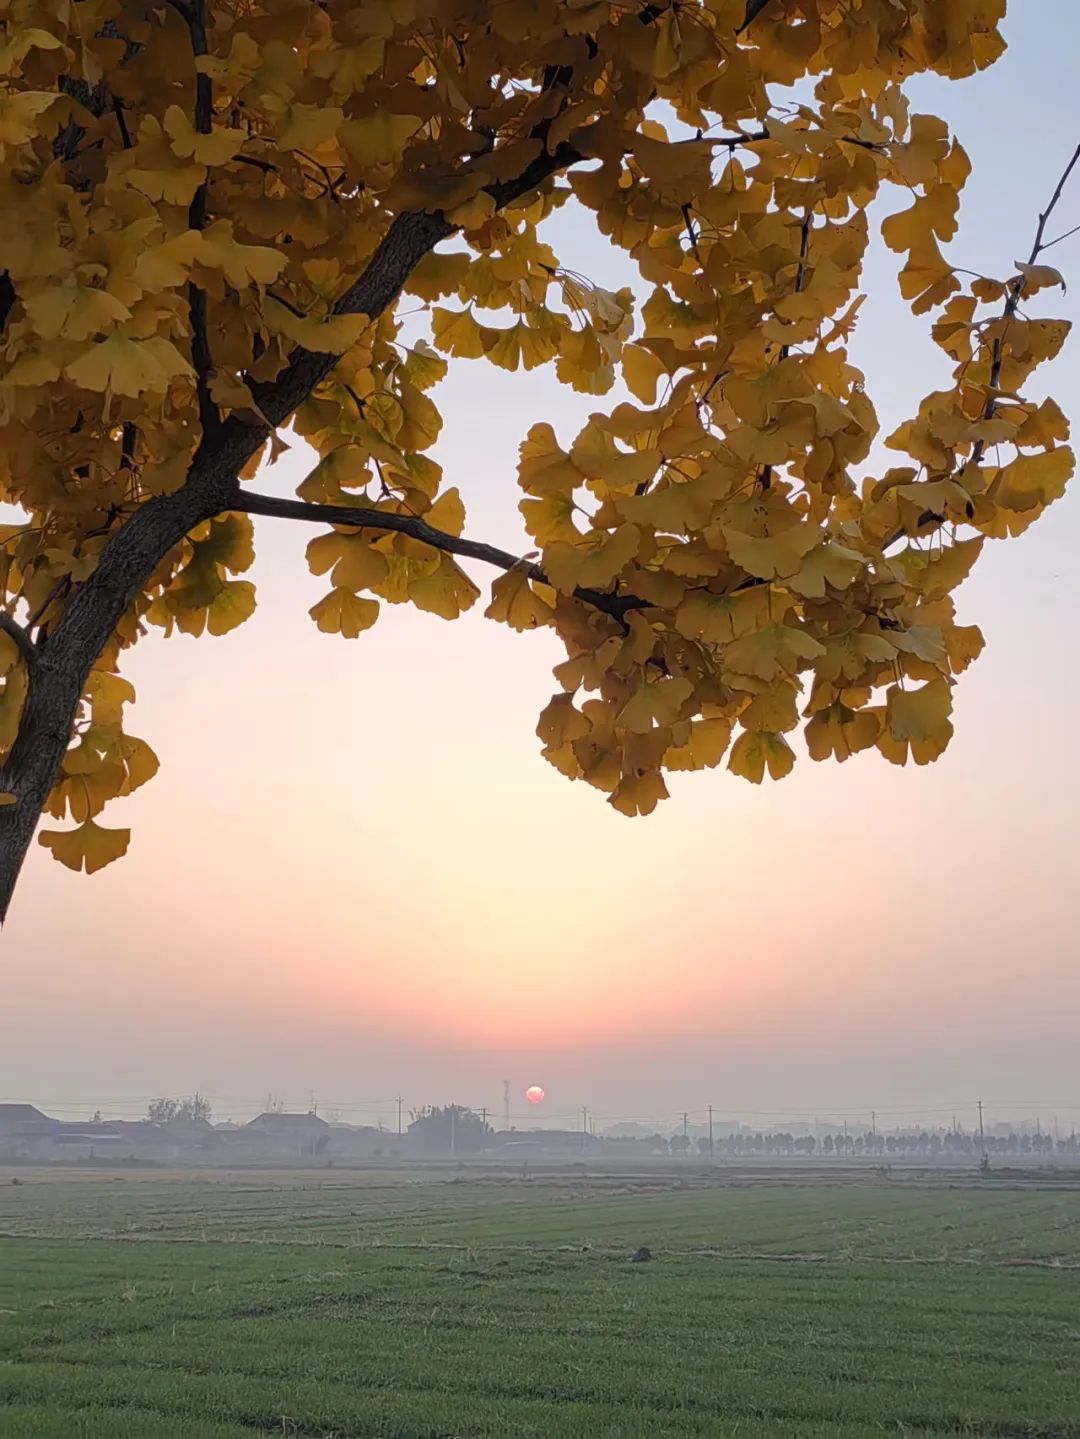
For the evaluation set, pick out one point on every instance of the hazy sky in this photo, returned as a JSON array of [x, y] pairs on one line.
[[356, 875]]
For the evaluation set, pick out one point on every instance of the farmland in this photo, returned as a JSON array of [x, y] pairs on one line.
[[440, 1302]]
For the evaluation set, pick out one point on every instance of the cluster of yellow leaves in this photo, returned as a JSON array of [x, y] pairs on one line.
[[718, 575], [102, 763]]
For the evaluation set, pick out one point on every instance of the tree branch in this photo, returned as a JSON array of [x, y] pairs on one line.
[[997, 354], [753, 10], [417, 528], [11, 627], [7, 299], [404, 245], [1015, 293], [201, 357]]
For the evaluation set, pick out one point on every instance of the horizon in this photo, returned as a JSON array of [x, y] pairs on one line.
[[355, 864], [962, 1118]]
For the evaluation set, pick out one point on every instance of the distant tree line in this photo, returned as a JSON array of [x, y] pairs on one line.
[[194, 1109], [448, 1129], [924, 1143]]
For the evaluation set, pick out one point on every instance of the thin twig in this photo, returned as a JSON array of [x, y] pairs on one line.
[[1016, 290], [25, 645], [1067, 236], [800, 280], [1012, 303], [121, 121]]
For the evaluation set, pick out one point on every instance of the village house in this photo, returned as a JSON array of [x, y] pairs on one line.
[[291, 1136]]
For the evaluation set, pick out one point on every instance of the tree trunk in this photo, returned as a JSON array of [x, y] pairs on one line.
[[59, 670]]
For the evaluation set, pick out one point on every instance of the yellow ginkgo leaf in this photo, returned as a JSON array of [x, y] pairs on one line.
[[448, 512], [920, 714], [1032, 481], [704, 747], [753, 753], [538, 344], [642, 371], [355, 564], [639, 793], [773, 651], [120, 365], [456, 332], [32, 368], [593, 563], [90, 847], [217, 148], [503, 347], [309, 126], [768, 538], [241, 265], [841, 732], [920, 718], [719, 619], [74, 312], [774, 710], [377, 140], [560, 722], [139, 761], [545, 468], [19, 115], [656, 702], [230, 393], [1039, 277], [515, 602], [829, 566], [477, 210], [334, 335], [231, 606], [21, 42], [446, 592], [343, 613]]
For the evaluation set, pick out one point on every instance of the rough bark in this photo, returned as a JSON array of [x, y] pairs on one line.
[[59, 670]]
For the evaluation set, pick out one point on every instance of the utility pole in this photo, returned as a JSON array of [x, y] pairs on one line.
[[313, 1108], [584, 1127], [483, 1116], [982, 1132], [684, 1124], [712, 1147], [506, 1104], [399, 1116], [453, 1129]]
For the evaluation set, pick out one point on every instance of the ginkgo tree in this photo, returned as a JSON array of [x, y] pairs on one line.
[[212, 213]]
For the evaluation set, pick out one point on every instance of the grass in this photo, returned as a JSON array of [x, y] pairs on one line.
[[213, 1307]]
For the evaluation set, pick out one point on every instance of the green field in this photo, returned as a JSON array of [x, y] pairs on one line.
[[215, 1306]]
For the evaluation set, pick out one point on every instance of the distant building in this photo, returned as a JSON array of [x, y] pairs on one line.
[[544, 1141], [21, 1119], [362, 1141], [22, 1127], [299, 1135]]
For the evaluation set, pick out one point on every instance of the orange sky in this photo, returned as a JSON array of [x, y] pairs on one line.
[[355, 873]]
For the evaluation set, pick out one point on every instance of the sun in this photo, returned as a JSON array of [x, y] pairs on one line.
[[534, 1094]]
